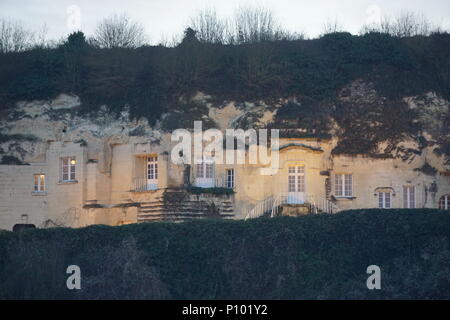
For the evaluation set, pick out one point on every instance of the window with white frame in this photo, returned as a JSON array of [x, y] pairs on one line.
[[296, 179], [409, 197], [205, 169], [230, 178], [384, 199], [152, 168], [68, 168], [205, 173], [343, 185], [444, 202], [39, 183]]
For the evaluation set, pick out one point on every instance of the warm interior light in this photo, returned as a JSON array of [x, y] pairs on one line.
[[72, 161]]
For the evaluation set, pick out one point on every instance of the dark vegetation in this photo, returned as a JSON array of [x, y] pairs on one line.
[[218, 191], [12, 160], [310, 257], [150, 79], [365, 125], [17, 137], [397, 58]]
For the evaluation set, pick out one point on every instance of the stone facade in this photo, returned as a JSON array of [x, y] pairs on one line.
[[112, 186]]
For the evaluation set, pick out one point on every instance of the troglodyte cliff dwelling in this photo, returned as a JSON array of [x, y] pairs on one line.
[[60, 168]]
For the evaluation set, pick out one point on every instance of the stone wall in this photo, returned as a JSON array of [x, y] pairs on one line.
[[61, 204], [111, 154]]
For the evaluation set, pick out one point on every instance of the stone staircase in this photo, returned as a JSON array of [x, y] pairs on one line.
[[178, 205]]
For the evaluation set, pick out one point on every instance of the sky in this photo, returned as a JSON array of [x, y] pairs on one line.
[[164, 18]]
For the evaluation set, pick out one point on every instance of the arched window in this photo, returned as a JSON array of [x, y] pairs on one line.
[[444, 202]]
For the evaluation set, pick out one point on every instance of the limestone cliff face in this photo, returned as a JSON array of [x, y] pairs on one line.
[[26, 131], [406, 128]]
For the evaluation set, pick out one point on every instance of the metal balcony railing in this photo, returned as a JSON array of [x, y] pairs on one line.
[[272, 204], [142, 185], [217, 182]]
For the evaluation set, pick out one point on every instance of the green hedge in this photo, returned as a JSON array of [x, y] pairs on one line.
[[310, 257], [218, 191]]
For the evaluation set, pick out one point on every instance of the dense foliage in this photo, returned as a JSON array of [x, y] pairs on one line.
[[150, 79], [312, 257], [158, 82]]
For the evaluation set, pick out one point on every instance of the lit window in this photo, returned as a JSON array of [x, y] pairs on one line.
[[39, 183], [68, 169], [384, 199], [409, 197], [343, 185], [444, 202]]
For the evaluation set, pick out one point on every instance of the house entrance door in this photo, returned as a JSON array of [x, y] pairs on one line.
[[296, 184], [152, 172]]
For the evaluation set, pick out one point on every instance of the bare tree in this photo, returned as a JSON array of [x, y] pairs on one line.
[[119, 31], [254, 24], [208, 26], [385, 25], [332, 26], [13, 36], [40, 40], [406, 24]]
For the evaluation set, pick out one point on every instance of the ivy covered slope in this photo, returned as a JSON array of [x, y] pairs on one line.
[[367, 90], [312, 257]]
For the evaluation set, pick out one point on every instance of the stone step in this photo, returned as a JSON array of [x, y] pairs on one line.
[[174, 205], [174, 218], [200, 213], [162, 216], [153, 199], [165, 210], [187, 202], [181, 209]]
